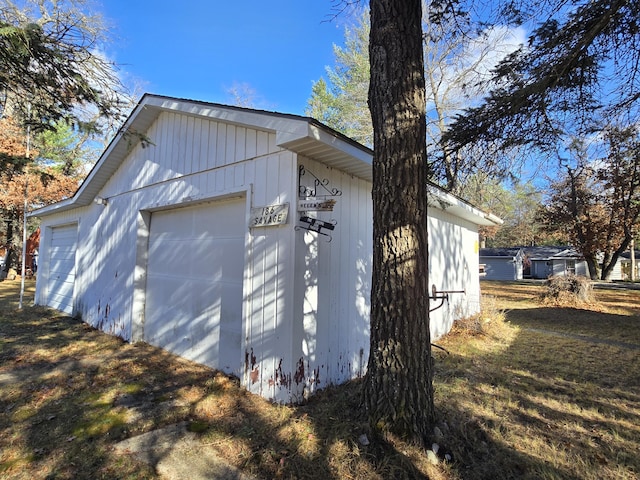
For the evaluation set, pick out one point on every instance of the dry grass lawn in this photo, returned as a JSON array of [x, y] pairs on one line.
[[526, 390]]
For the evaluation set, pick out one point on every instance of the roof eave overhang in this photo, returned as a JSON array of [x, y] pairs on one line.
[[301, 135], [122, 143], [445, 201], [326, 146]]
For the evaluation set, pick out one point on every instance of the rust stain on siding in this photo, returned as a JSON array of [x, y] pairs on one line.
[[298, 375], [251, 365], [282, 378]]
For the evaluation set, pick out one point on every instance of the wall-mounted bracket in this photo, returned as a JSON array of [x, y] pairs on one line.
[[315, 225], [442, 296], [317, 188]]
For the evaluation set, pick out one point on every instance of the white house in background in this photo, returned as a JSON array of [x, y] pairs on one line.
[[240, 239], [622, 269], [502, 263]]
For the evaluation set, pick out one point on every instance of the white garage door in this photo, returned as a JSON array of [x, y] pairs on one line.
[[62, 268], [194, 283]]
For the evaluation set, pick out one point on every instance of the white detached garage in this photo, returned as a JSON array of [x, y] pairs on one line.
[[240, 239]]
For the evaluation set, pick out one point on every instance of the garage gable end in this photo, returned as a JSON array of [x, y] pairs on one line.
[[186, 145]]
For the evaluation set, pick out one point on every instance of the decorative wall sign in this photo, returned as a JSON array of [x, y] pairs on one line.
[[269, 215], [314, 195], [313, 205]]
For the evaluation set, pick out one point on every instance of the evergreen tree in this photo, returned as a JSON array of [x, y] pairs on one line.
[[517, 205], [579, 70], [342, 103], [50, 68]]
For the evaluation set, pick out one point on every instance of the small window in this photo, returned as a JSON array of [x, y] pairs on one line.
[[571, 267]]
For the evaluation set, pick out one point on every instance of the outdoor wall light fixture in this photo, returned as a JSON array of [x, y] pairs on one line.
[[100, 200]]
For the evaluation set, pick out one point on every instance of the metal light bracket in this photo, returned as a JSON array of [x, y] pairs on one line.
[[442, 296]]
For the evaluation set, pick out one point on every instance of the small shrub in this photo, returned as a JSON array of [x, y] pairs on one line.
[[568, 289], [479, 323], [468, 325]]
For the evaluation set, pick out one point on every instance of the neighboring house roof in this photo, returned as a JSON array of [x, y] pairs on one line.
[[302, 135], [500, 252], [551, 252], [533, 253], [627, 255]]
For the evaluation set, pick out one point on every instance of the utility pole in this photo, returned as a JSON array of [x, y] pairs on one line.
[[24, 214], [632, 275]]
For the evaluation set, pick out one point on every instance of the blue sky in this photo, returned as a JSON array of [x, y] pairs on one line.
[[199, 49]]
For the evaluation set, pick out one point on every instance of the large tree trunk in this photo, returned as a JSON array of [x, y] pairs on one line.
[[592, 265], [10, 257], [610, 261], [398, 390]]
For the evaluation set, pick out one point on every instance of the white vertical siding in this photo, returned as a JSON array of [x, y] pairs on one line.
[[165, 175], [453, 265], [268, 286], [333, 281], [331, 320], [189, 160], [183, 146]]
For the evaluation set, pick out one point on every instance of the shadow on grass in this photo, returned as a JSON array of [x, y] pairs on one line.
[[578, 321], [10, 292], [545, 406], [538, 408], [69, 393]]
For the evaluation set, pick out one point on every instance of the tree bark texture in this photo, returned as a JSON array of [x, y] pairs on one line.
[[398, 391]]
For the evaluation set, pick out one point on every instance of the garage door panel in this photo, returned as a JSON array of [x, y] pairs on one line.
[[194, 283], [64, 251], [195, 297], [62, 283], [64, 236], [60, 301], [188, 222], [62, 261], [208, 258], [221, 259], [198, 329], [169, 257], [62, 268]]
